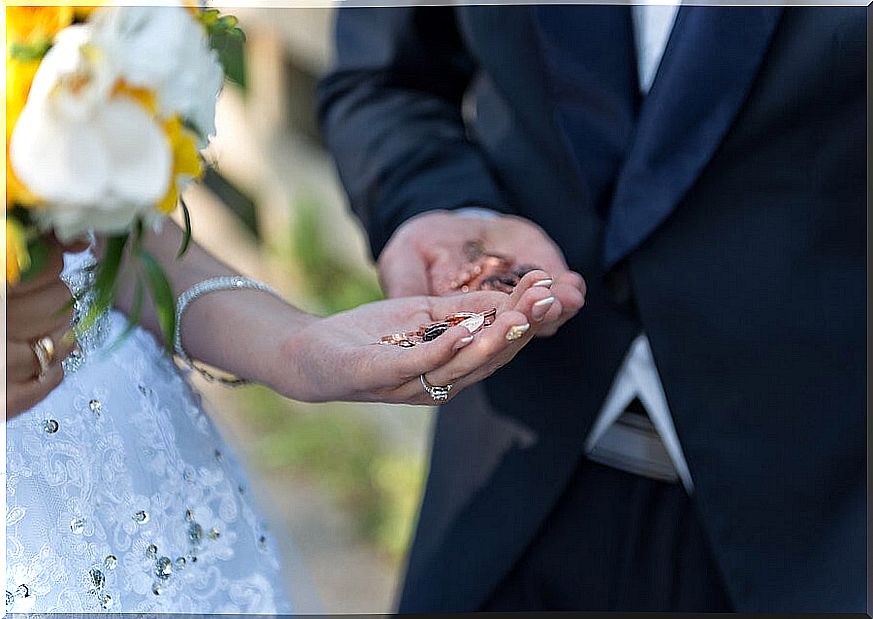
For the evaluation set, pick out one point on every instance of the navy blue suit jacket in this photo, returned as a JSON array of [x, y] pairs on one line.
[[724, 215]]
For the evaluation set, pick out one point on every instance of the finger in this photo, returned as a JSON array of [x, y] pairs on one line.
[[532, 295], [536, 303], [21, 360], [446, 270], [532, 279], [569, 289], [21, 397], [403, 275], [76, 246], [572, 278], [480, 301], [572, 299], [39, 312], [510, 330], [430, 355]]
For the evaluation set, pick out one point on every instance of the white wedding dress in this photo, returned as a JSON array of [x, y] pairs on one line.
[[121, 495]]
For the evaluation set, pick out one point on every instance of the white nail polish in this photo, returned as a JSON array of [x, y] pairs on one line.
[[545, 302], [545, 283], [463, 342]]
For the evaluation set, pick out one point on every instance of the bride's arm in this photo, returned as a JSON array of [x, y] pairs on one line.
[[264, 339], [236, 331]]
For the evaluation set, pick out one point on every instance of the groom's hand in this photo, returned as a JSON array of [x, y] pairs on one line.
[[427, 251]]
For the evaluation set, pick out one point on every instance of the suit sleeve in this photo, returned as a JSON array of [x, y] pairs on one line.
[[390, 112]]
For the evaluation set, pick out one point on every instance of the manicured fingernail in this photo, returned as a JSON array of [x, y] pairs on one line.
[[545, 283], [516, 332], [541, 308], [463, 342], [474, 323]]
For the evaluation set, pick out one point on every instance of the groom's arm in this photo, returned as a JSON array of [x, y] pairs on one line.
[[390, 111]]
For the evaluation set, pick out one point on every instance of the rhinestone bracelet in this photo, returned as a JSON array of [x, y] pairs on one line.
[[216, 284]]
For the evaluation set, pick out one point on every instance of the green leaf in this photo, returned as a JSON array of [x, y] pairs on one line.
[[138, 234], [135, 312], [38, 252], [29, 52], [186, 231], [104, 283], [208, 17], [230, 48], [228, 22], [162, 298]]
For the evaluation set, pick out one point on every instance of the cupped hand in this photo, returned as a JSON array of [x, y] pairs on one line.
[[36, 309], [426, 252], [339, 358]]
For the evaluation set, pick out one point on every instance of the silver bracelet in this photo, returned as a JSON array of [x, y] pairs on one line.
[[216, 284]]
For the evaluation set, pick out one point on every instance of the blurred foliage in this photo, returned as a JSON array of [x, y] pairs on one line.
[[335, 284], [347, 456]]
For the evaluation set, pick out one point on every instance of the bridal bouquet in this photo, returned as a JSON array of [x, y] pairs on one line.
[[107, 110]]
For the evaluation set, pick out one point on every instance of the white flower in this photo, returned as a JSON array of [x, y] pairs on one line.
[[165, 49], [98, 161]]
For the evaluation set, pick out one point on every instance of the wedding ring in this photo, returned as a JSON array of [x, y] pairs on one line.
[[439, 393], [44, 351]]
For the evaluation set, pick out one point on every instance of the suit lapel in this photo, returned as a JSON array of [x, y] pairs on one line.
[[707, 71], [590, 68]]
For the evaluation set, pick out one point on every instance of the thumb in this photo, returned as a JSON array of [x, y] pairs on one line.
[[404, 276]]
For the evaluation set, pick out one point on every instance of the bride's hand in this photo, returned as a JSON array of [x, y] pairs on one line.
[[338, 358], [35, 310]]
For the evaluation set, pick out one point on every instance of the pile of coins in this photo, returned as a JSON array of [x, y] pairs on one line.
[[425, 333], [487, 271]]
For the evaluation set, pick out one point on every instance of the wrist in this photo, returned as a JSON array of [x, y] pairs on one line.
[[299, 355], [233, 323]]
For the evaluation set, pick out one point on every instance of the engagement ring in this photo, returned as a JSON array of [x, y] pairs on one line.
[[439, 393]]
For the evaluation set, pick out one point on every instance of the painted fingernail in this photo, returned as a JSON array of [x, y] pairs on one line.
[[463, 342], [545, 283], [516, 332], [541, 308]]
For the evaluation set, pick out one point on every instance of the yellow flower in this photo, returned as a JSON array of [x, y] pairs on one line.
[[145, 97], [19, 75], [186, 161], [83, 12], [17, 257], [16, 193], [36, 25]]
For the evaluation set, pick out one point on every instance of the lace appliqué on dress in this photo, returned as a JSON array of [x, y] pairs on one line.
[[122, 496]]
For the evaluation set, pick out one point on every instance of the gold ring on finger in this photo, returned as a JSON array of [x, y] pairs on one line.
[[44, 351]]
